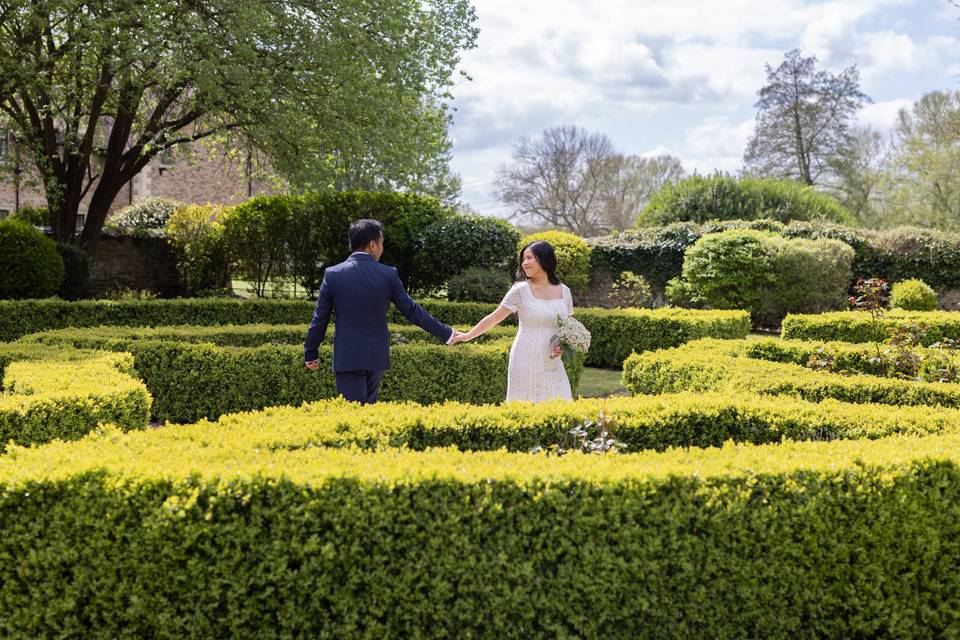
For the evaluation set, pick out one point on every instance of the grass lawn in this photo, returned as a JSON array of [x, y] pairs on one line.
[[598, 383]]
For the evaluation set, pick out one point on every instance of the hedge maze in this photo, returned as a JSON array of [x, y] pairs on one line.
[[760, 495]]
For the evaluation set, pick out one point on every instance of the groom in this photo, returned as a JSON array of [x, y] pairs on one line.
[[360, 290]]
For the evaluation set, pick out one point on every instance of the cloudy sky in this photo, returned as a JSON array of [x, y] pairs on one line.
[[677, 76]]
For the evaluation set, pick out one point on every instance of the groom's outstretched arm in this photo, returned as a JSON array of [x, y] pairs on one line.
[[318, 326], [415, 313]]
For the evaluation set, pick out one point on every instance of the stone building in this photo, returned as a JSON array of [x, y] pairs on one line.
[[193, 176]]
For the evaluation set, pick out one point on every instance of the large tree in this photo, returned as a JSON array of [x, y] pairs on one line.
[[574, 180], [862, 174], [926, 172], [803, 120], [630, 182], [94, 89]]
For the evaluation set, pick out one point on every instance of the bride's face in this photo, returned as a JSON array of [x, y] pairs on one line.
[[530, 265]]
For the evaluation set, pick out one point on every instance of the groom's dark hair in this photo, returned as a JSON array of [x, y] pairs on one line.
[[363, 232]]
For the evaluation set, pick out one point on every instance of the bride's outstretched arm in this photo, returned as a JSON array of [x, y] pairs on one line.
[[492, 320]]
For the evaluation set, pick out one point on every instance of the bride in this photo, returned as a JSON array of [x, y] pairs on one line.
[[536, 372]]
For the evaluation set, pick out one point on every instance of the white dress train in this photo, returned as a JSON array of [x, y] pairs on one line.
[[533, 375]]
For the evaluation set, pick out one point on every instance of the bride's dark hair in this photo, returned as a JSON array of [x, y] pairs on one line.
[[545, 255]]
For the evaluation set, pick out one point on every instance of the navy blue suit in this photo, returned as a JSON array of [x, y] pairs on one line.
[[360, 290]]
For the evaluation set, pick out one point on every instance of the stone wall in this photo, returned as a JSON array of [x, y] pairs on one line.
[[134, 263]]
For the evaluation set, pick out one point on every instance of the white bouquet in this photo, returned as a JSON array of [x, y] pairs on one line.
[[572, 336]]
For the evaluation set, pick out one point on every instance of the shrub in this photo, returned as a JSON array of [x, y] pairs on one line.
[[144, 218], [573, 257], [196, 234], [479, 284], [210, 538], [768, 275], [732, 269], [321, 221], [76, 268], [34, 216], [255, 238], [812, 277], [30, 266], [913, 295], [453, 245], [720, 197]]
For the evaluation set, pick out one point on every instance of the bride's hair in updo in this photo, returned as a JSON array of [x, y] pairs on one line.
[[545, 255]]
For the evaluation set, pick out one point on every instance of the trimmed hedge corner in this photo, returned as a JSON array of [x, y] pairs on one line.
[[64, 394]]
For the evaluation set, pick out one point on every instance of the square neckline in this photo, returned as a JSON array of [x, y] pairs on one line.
[[530, 291]]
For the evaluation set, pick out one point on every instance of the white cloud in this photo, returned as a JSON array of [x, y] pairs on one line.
[[883, 115], [671, 74]]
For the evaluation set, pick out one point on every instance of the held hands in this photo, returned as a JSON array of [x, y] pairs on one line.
[[457, 338], [313, 365]]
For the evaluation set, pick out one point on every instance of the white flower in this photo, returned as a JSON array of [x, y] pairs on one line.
[[573, 335]]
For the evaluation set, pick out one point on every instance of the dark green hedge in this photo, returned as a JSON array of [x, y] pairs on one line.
[[616, 333], [898, 254], [20, 317], [841, 540], [722, 197]]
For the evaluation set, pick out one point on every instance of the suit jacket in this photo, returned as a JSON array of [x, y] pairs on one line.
[[360, 290]]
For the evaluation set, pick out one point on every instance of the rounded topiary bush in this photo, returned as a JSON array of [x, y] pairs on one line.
[[30, 266], [721, 197], [478, 284], [765, 274], [573, 257], [913, 295]]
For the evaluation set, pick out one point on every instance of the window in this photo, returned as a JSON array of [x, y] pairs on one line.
[[4, 147], [166, 158]]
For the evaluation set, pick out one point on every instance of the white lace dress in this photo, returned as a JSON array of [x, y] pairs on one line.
[[533, 375]]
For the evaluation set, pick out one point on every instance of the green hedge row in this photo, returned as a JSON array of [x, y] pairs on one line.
[[190, 380], [897, 254], [148, 537], [714, 366], [690, 419], [616, 333], [240, 335], [855, 326], [65, 394]]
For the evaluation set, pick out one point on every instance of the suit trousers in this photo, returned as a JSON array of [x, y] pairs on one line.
[[359, 386]]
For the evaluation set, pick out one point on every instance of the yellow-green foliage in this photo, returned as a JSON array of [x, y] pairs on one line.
[[142, 535], [616, 334], [245, 335], [573, 256], [857, 326], [642, 422], [710, 365], [190, 380], [64, 394], [913, 295]]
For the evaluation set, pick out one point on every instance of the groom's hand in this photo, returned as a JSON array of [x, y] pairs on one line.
[[313, 365]]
